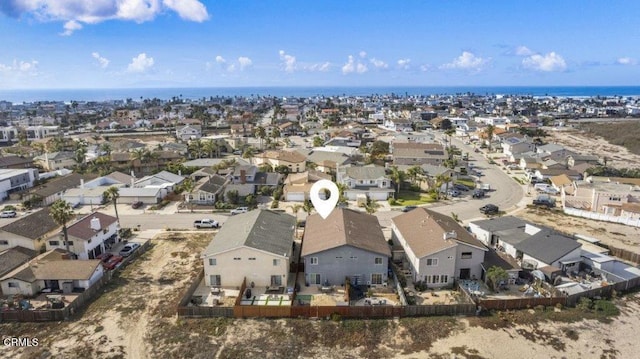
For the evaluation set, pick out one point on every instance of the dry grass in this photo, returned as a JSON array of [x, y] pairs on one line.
[[625, 134]]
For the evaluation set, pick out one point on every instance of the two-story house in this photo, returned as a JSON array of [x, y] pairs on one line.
[[370, 181], [416, 154], [347, 244], [293, 160], [256, 245], [437, 248], [89, 237], [29, 231]]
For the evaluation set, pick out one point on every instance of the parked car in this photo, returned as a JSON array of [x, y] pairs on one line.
[[239, 210], [544, 200], [489, 209], [461, 187], [453, 193], [128, 249], [104, 257], [112, 263], [8, 214], [206, 223], [408, 208], [478, 193], [137, 204]]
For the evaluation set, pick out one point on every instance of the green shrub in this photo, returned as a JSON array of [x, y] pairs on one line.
[[275, 204], [392, 201], [585, 304], [336, 317], [606, 307]]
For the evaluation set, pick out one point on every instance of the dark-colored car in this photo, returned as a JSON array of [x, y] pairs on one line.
[[409, 208], [478, 193], [136, 205], [489, 209], [461, 187]]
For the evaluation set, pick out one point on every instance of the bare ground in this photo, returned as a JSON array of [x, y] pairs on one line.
[[135, 318]]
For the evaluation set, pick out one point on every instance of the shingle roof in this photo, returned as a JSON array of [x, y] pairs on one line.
[[60, 184], [499, 259], [212, 184], [424, 231], [365, 172], [501, 223], [32, 226], [289, 156], [82, 228], [8, 161], [344, 227], [547, 246], [260, 229], [120, 177], [14, 257], [52, 266]]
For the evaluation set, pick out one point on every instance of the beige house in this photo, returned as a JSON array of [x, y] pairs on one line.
[[256, 245], [602, 197], [55, 160], [30, 231], [294, 160], [298, 185]]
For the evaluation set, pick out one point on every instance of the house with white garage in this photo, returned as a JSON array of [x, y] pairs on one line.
[[89, 237], [368, 181], [256, 245], [298, 185], [346, 244], [52, 271], [438, 249]]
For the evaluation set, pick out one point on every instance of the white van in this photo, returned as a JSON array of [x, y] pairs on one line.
[[541, 187]]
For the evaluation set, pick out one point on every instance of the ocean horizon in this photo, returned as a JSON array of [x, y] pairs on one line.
[[19, 96]]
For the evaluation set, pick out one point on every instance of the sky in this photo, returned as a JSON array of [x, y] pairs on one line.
[[50, 44]]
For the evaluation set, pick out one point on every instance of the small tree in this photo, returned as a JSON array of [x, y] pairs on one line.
[[494, 276], [371, 206], [232, 196]]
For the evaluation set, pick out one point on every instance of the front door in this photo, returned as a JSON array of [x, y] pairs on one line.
[[52, 284], [465, 273]]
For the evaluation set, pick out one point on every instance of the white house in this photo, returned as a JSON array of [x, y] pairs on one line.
[[188, 132], [370, 181], [14, 180], [90, 236]]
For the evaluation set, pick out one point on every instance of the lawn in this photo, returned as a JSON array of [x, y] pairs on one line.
[[467, 182], [410, 198]]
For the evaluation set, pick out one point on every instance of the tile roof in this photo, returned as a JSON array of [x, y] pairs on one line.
[[424, 231], [82, 228], [344, 227], [32, 226], [260, 229]]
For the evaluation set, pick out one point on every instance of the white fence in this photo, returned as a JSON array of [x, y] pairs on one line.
[[602, 217]]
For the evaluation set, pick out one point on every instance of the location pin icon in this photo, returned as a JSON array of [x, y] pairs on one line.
[[324, 206]]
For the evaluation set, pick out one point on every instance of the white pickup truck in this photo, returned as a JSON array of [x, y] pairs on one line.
[[206, 223]]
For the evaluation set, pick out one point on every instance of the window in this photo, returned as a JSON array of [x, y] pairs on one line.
[[236, 258], [435, 279], [69, 243], [276, 262], [378, 260], [444, 279], [14, 285], [466, 255], [427, 279], [432, 261], [252, 258], [314, 278], [313, 260], [212, 261], [354, 258], [3, 242], [376, 278], [215, 280], [276, 280], [54, 243]]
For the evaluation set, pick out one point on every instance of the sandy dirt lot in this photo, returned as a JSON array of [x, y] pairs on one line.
[[135, 318]]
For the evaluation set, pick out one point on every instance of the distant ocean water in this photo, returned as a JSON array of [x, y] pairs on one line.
[[20, 96]]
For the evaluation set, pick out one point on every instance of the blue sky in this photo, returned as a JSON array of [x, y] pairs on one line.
[[182, 43]]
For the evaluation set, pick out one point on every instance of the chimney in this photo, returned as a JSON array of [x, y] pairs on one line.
[[243, 176], [95, 224], [450, 235], [81, 183]]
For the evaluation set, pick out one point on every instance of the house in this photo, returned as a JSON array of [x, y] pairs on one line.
[[604, 195], [163, 179], [22, 232], [513, 144], [256, 246], [12, 258], [15, 162], [415, 154], [370, 181], [293, 160], [47, 193], [52, 271], [90, 236], [207, 190], [16, 180], [55, 160], [326, 161], [576, 159], [437, 248], [298, 185], [188, 132], [348, 244]]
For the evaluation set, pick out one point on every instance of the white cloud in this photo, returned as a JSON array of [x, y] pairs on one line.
[[627, 61], [425, 68], [140, 63], [191, 10], [289, 61], [353, 66], [220, 59], [550, 62], [323, 67], [404, 63], [231, 68], [244, 62], [70, 27], [379, 64], [363, 54], [20, 68], [523, 51], [75, 12], [102, 61], [466, 61]]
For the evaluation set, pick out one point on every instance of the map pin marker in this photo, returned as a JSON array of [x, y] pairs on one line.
[[324, 206]]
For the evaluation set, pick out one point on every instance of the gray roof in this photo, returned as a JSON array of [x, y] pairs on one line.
[[319, 156], [365, 172], [512, 236], [501, 223], [213, 184], [260, 229], [547, 246], [268, 178], [32, 226], [13, 257]]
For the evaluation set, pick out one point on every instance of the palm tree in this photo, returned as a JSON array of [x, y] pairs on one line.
[[296, 208], [489, 130], [442, 179], [188, 187], [210, 147], [112, 194], [62, 213], [413, 172], [195, 148], [261, 133], [248, 152], [371, 206], [397, 176], [307, 206]]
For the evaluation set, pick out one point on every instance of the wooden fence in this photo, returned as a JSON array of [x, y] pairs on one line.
[[519, 303], [603, 292]]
